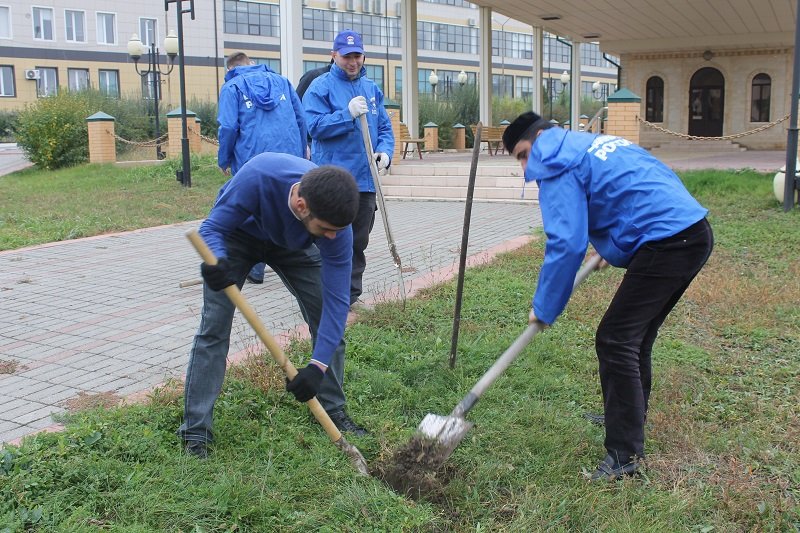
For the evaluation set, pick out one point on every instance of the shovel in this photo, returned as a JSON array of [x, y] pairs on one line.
[[382, 204], [250, 315], [446, 432]]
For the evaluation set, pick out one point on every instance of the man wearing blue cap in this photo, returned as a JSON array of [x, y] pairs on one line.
[[333, 104]]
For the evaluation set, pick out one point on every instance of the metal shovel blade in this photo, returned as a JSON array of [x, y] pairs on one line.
[[446, 432]]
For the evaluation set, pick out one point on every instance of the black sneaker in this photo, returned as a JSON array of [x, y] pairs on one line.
[[254, 280], [597, 420], [346, 425], [196, 448], [610, 470]]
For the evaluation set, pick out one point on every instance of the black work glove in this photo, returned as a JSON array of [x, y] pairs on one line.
[[218, 276], [305, 384]]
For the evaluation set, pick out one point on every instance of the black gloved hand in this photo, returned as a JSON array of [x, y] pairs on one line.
[[218, 276], [305, 384]]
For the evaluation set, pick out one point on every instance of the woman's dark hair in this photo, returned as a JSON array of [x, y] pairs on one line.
[[331, 195]]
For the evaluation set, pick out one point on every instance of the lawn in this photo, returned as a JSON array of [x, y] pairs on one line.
[[38, 206], [723, 428]]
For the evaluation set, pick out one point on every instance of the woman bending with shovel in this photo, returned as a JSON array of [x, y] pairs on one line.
[[637, 214]]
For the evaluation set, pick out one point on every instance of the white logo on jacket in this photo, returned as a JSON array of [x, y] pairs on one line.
[[606, 144]]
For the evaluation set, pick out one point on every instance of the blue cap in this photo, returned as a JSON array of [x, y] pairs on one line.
[[348, 42]]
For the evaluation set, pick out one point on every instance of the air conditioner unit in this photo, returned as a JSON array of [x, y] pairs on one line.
[[472, 22], [366, 6], [32, 74], [332, 4], [350, 5]]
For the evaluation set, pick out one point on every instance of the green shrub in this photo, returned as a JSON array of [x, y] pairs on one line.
[[207, 113], [8, 123], [53, 131]]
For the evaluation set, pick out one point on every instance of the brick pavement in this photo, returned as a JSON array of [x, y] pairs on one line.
[[106, 315]]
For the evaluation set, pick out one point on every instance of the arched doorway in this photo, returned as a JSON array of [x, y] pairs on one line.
[[706, 102]]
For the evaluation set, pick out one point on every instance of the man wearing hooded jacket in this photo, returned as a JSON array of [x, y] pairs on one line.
[[333, 104], [638, 215], [259, 111]]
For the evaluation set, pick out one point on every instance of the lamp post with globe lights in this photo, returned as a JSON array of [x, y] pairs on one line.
[[433, 79], [153, 73], [185, 174]]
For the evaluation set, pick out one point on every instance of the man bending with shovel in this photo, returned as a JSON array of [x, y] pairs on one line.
[[637, 214], [294, 216]]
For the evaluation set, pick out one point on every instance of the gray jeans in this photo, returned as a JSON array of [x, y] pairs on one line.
[[300, 272]]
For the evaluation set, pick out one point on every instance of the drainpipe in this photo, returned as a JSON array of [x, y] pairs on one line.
[[619, 69]]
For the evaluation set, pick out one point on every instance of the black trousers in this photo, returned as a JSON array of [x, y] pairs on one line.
[[362, 226], [654, 281]]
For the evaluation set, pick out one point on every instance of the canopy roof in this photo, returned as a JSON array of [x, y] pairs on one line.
[[653, 25]]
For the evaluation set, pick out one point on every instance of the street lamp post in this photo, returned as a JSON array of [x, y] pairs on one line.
[[185, 174], [154, 73], [565, 83], [599, 91], [503, 52], [433, 79]]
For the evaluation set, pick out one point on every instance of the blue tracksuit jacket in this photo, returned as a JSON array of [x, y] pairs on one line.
[[259, 111], [336, 135], [604, 190]]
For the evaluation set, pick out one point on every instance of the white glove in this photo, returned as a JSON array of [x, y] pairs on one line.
[[358, 106], [382, 161]]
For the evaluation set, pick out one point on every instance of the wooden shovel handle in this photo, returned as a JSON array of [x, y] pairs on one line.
[[274, 348]]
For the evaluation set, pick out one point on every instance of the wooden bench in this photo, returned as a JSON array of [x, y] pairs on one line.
[[406, 139], [491, 135]]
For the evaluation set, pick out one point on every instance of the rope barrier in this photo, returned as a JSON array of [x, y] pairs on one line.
[[723, 138], [209, 140], [152, 142]]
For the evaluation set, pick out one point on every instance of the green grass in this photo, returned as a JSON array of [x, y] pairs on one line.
[[723, 429], [38, 206]]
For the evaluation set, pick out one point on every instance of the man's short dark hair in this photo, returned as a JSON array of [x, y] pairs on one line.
[[524, 127], [331, 194], [237, 59]]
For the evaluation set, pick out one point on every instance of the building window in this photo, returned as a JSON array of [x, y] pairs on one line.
[[502, 85], [43, 24], [148, 31], [554, 50], [108, 83], [375, 73], [457, 3], [151, 86], [5, 22], [447, 38], [323, 25], [75, 26], [47, 84], [77, 79], [273, 64], [106, 28], [515, 45], [398, 83], [313, 65], [7, 81], [760, 98], [654, 100], [524, 87], [252, 18]]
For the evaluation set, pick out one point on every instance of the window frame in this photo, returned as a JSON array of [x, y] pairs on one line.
[[66, 29], [98, 14], [12, 81], [652, 113], [70, 71], [767, 100], [10, 27], [52, 22], [142, 35], [100, 82], [41, 82]]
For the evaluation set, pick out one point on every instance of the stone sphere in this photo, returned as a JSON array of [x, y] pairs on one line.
[[779, 181]]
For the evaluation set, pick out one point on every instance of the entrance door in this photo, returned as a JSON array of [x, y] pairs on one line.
[[706, 103]]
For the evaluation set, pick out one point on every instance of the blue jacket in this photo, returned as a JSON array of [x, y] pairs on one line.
[[259, 111], [604, 190], [256, 201], [336, 135]]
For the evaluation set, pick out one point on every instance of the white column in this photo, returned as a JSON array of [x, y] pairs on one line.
[[538, 51], [485, 65], [291, 40], [408, 21], [575, 81]]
